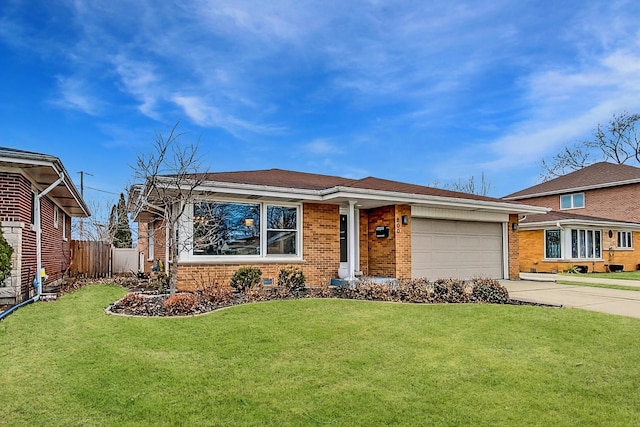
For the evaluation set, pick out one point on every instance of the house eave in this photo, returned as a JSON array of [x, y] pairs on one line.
[[574, 189], [341, 194], [44, 170], [579, 223]]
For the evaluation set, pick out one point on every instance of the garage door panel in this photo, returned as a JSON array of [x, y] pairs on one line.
[[459, 249]]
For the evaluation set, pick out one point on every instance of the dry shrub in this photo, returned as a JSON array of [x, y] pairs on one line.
[[181, 304], [415, 291], [322, 291], [216, 294], [132, 300], [489, 290], [257, 294]]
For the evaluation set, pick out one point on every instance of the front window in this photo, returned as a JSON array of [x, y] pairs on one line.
[[245, 229], [56, 217], [586, 244], [222, 228], [572, 201], [552, 244], [282, 226], [625, 239]]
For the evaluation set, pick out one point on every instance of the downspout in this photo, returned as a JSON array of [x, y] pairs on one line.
[[38, 224], [36, 214]]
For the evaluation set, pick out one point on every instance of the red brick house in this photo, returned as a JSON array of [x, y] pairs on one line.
[[36, 186], [332, 227], [594, 220]]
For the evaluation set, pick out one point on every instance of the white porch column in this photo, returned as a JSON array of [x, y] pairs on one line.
[[353, 234]]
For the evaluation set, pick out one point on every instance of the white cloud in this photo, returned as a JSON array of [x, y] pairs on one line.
[[321, 147], [75, 94]]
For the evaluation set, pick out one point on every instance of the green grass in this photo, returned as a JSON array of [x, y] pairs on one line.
[[317, 362], [599, 285], [623, 275]]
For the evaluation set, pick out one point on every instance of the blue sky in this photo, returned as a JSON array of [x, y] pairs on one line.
[[407, 90]]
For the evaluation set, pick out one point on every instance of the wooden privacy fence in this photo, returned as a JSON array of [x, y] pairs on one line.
[[90, 259]]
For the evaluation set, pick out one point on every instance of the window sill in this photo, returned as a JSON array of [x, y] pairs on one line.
[[576, 260], [622, 249], [204, 260]]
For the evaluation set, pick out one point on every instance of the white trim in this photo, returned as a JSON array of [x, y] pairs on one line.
[[186, 230], [345, 194], [577, 223], [505, 250], [460, 215]]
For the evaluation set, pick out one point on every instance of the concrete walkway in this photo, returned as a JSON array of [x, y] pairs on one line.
[[546, 277], [612, 301]]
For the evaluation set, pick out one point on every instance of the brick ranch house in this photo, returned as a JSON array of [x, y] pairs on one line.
[[35, 189], [331, 227], [594, 221]]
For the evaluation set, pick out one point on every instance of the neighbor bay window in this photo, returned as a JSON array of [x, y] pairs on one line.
[[586, 244], [245, 229]]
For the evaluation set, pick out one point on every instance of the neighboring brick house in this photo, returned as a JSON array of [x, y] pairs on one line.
[[594, 220], [331, 227], [36, 185]]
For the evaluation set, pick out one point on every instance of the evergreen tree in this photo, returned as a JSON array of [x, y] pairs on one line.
[[122, 235], [5, 259]]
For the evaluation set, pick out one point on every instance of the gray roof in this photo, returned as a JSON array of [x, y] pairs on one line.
[[598, 175]]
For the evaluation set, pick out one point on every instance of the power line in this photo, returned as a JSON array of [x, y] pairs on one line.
[[102, 191]]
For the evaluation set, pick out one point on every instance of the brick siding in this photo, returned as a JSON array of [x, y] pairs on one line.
[[16, 206], [619, 203]]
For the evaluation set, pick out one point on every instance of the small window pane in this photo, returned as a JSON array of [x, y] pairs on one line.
[[578, 200], [598, 252], [574, 243], [281, 218], [553, 244], [565, 202], [281, 242]]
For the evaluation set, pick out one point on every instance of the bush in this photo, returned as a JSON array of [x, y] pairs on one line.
[[322, 291], [257, 294], [181, 304], [132, 300], [292, 279], [216, 294], [489, 290], [415, 291], [245, 278], [5, 259]]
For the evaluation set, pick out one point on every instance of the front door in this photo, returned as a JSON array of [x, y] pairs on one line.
[[344, 242]]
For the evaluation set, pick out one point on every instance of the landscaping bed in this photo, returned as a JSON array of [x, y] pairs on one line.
[[213, 298]]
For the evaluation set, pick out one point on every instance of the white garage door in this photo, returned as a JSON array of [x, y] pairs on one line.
[[443, 249]]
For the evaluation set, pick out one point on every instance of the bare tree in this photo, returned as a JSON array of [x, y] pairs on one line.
[[482, 188], [168, 177], [95, 228], [616, 142]]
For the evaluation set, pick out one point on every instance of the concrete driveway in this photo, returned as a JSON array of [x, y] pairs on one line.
[[604, 300]]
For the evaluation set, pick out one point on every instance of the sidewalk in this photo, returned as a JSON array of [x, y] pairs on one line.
[[604, 300]]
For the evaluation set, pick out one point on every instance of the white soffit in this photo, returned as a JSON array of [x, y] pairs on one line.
[[458, 215]]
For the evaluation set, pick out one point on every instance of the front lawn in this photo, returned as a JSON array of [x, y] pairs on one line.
[[623, 275], [317, 362]]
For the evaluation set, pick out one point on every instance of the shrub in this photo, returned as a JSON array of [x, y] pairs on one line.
[[180, 304], [489, 290], [292, 279], [132, 300], [415, 291], [245, 278], [257, 294], [5, 259], [322, 291], [216, 294]]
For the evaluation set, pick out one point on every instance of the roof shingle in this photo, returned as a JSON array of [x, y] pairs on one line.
[[601, 174]]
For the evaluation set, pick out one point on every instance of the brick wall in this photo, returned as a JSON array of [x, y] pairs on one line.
[[321, 254], [514, 249], [391, 256], [16, 206], [619, 203], [532, 254]]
